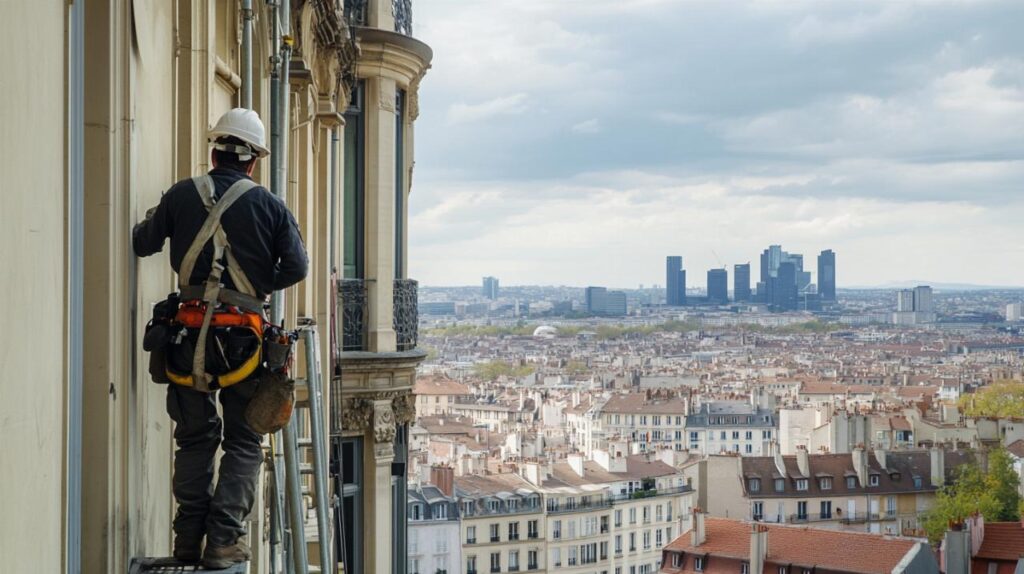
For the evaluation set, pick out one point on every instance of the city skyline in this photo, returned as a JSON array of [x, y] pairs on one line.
[[560, 142]]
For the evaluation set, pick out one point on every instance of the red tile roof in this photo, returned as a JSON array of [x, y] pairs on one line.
[[439, 386], [826, 549], [1003, 541]]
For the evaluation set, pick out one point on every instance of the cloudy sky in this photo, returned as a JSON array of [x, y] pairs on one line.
[[579, 142]]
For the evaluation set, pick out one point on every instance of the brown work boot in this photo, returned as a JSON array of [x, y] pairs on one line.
[[188, 549], [220, 557]]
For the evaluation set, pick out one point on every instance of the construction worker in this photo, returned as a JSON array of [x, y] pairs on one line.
[[262, 251]]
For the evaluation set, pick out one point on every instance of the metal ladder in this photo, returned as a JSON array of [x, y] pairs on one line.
[[285, 472]]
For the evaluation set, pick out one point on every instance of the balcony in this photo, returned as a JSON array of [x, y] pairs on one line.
[[862, 517], [353, 310], [356, 12]]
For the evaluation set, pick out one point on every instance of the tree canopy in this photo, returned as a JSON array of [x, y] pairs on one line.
[[491, 371], [1000, 399], [993, 493]]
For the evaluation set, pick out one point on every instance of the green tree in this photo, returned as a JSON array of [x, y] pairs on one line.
[[992, 493], [495, 369], [1000, 399]]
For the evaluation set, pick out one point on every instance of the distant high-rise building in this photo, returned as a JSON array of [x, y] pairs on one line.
[[827, 275], [923, 299], [914, 306], [718, 286], [905, 301], [771, 259], [596, 300], [490, 289], [741, 282], [675, 281], [614, 303], [601, 301], [783, 287], [1015, 311]]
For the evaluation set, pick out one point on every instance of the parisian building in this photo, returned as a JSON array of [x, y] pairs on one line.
[[118, 99]]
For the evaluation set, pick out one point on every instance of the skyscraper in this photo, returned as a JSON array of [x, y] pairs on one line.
[[827, 275], [490, 287], [718, 286], [914, 306], [675, 281], [596, 300], [741, 282], [783, 288], [615, 303]]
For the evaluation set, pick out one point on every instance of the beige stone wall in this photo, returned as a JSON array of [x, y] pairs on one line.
[[32, 239]]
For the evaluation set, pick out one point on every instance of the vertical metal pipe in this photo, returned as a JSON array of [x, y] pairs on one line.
[[332, 219], [247, 54], [76, 284], [316, 421], [293, 486], [277, 154]]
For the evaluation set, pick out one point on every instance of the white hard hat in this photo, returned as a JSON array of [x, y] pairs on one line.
[[245, 125]]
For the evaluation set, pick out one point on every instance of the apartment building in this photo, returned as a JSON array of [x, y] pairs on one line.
[[436, 395], [434, 533], [612, 514], [731, 426], [650, 420], [728, 545], [502, 524], [880, 491]]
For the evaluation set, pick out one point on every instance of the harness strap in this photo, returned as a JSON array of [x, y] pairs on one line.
[[204, 186], [226, 296]]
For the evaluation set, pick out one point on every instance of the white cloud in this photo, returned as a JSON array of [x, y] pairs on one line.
[[591, 126], [506, 105]]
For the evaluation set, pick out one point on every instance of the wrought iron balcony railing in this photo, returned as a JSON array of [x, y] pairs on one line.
[[356, 14], [407, 316], [402, 10], [353, 305]]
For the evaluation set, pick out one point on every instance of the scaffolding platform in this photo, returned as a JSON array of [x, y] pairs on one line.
[[173, 566]]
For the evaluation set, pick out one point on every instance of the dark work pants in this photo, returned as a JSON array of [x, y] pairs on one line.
[[202, 509]]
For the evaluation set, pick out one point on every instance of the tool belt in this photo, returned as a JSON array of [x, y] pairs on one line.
[[205, 336]]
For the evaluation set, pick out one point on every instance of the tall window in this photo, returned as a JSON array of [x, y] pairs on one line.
[[400, 184], [350, 452], [354, 186]]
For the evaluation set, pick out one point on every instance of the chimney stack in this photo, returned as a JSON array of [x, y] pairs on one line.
[[956, 550], [697, 534], [938, 460], [443, 477], [576, 462], [803, 460], [860, 464], [758, 548]]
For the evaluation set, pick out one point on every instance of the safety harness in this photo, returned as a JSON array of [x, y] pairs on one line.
[[204, 306]]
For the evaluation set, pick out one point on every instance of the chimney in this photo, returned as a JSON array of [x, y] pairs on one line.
[[938, 460], [880, 456], [803, 460], [697, 534], [443, 477], [860, 464], [780, 464], [576, 462], [758, 548], [956, 550]]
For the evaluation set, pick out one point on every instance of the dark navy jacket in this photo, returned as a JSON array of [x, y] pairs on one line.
[[263, 234]]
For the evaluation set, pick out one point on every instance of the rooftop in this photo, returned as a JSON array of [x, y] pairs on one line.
[[806, 547]]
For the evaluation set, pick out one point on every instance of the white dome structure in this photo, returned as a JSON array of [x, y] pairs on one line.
[[545, 332]]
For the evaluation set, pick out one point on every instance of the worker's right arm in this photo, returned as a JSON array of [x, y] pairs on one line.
[[149, 234]]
